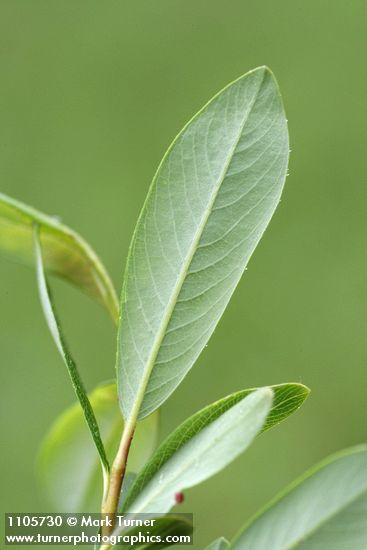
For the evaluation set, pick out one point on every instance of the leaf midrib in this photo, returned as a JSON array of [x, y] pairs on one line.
[[186, 265]]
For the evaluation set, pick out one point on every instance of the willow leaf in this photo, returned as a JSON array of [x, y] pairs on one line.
[[209, 204], [287, 399], [324, 510], [55, 329], [65, 253], [204, 454]]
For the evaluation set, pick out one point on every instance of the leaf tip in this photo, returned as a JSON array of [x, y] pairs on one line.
[[303, 390]]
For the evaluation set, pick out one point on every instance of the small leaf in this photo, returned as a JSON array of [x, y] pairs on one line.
[[55, 330], [325, 509], [163, 527], [287, 399], [66, 254], [69, 467], [219, 544], [210, 450], [211, 200]]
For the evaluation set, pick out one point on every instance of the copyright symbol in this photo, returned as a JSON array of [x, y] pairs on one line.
[[72, 521]]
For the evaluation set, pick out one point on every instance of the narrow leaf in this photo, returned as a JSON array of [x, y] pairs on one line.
[[204, 454], [219, 544], [55, 329], [65, 253], [68, 466], [287, 399], [325, 509], [209, 204]]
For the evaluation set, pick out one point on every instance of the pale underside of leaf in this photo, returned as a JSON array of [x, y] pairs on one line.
[[287, 399], [210, 202], [65, 253], [206, 453], [324, 510]]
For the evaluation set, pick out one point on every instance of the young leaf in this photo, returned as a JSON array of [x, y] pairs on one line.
[[55, 329], [69, 467], [324, 509], [287, 399], [209, 204], [219, 544], [65, 253], [210, 450]]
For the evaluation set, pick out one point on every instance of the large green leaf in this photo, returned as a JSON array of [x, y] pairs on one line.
[[287, 399], [58, 337], [324, 510], [68, 465], [209, 204], [219, 544], [66, 254]]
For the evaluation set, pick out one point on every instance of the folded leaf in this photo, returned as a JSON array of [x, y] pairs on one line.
[[56, 333], [219, 544], [209, 204], [324, 510], [66, 254], [287, 399], [204, 454], [69, 467]]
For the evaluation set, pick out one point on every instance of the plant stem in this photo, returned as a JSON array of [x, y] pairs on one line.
[[117, 473], [110, 502]]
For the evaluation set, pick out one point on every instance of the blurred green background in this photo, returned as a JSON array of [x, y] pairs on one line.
[[92, 93]]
